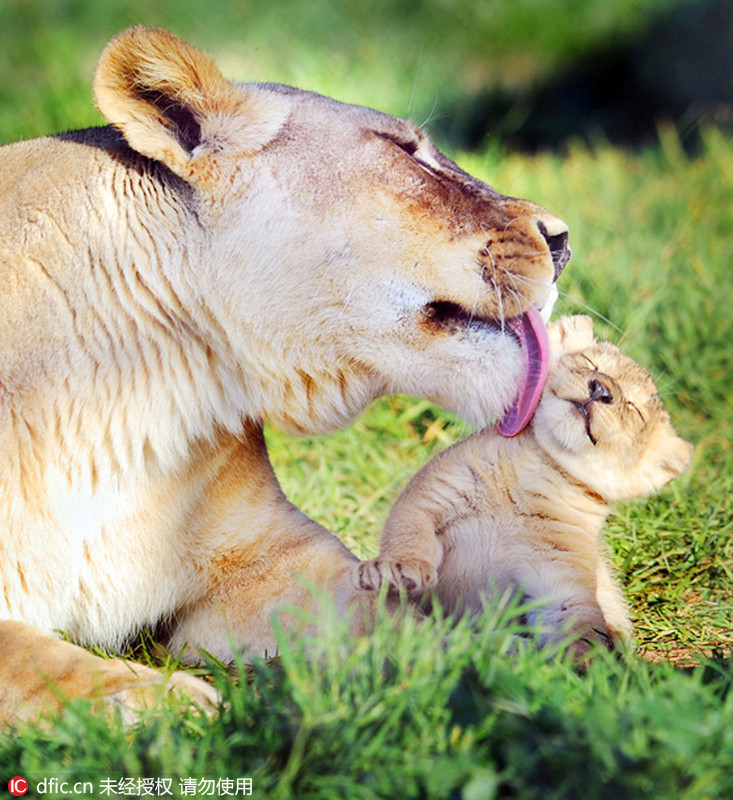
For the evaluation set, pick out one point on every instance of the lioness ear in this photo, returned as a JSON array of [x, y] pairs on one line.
[[571, 334], [172, 104]]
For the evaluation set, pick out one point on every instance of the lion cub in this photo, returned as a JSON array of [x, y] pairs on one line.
[[524, 514]]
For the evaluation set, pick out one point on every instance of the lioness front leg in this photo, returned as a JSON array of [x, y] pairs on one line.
[[256, 554], [297, 566], [39, 673]]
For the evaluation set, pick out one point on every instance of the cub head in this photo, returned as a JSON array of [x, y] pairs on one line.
[[601, 419], [341, 253]]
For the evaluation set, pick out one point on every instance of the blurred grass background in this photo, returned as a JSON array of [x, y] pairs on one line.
[[530, 71], [617, 117]]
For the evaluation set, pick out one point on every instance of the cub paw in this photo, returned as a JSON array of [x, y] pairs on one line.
[[585, 641], [415, 576], [581, 628]]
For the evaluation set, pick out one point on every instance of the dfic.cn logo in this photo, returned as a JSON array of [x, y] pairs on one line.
[[18, 786]]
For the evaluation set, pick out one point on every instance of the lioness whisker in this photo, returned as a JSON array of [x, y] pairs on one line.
[[592, 311], [576, 300]]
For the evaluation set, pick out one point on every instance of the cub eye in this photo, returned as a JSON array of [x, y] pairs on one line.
[[629, 403], [600, 392]]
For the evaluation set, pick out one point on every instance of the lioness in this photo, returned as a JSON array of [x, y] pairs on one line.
[[220, 255]]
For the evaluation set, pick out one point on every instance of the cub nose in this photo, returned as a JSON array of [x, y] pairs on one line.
[[555, 233]]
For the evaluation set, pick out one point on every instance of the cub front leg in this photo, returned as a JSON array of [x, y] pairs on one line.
[[589, 605], [412, 545], [410, 549], [613, 606], [40, 673]]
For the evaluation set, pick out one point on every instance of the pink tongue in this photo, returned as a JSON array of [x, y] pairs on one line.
[[532, 335]]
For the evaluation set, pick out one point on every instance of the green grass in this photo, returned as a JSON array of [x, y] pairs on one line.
[[435, 712], [428, 712]]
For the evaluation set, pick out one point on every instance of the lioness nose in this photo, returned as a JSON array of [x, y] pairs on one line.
[[555, 233]]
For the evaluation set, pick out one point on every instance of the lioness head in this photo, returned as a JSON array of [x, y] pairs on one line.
[[339, 253]]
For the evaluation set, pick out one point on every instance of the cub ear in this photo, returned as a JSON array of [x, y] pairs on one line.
[[171, 103], [665, 457], [571, 334], [674, 456]]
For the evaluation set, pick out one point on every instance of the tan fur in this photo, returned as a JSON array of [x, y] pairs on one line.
[[525, 514], [221, 255], [61, 671]]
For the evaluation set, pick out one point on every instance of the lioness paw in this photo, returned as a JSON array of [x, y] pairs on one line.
[[415, 576], [182, 688]]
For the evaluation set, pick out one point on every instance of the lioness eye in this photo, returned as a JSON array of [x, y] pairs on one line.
[[408, 145], [411, 147]]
